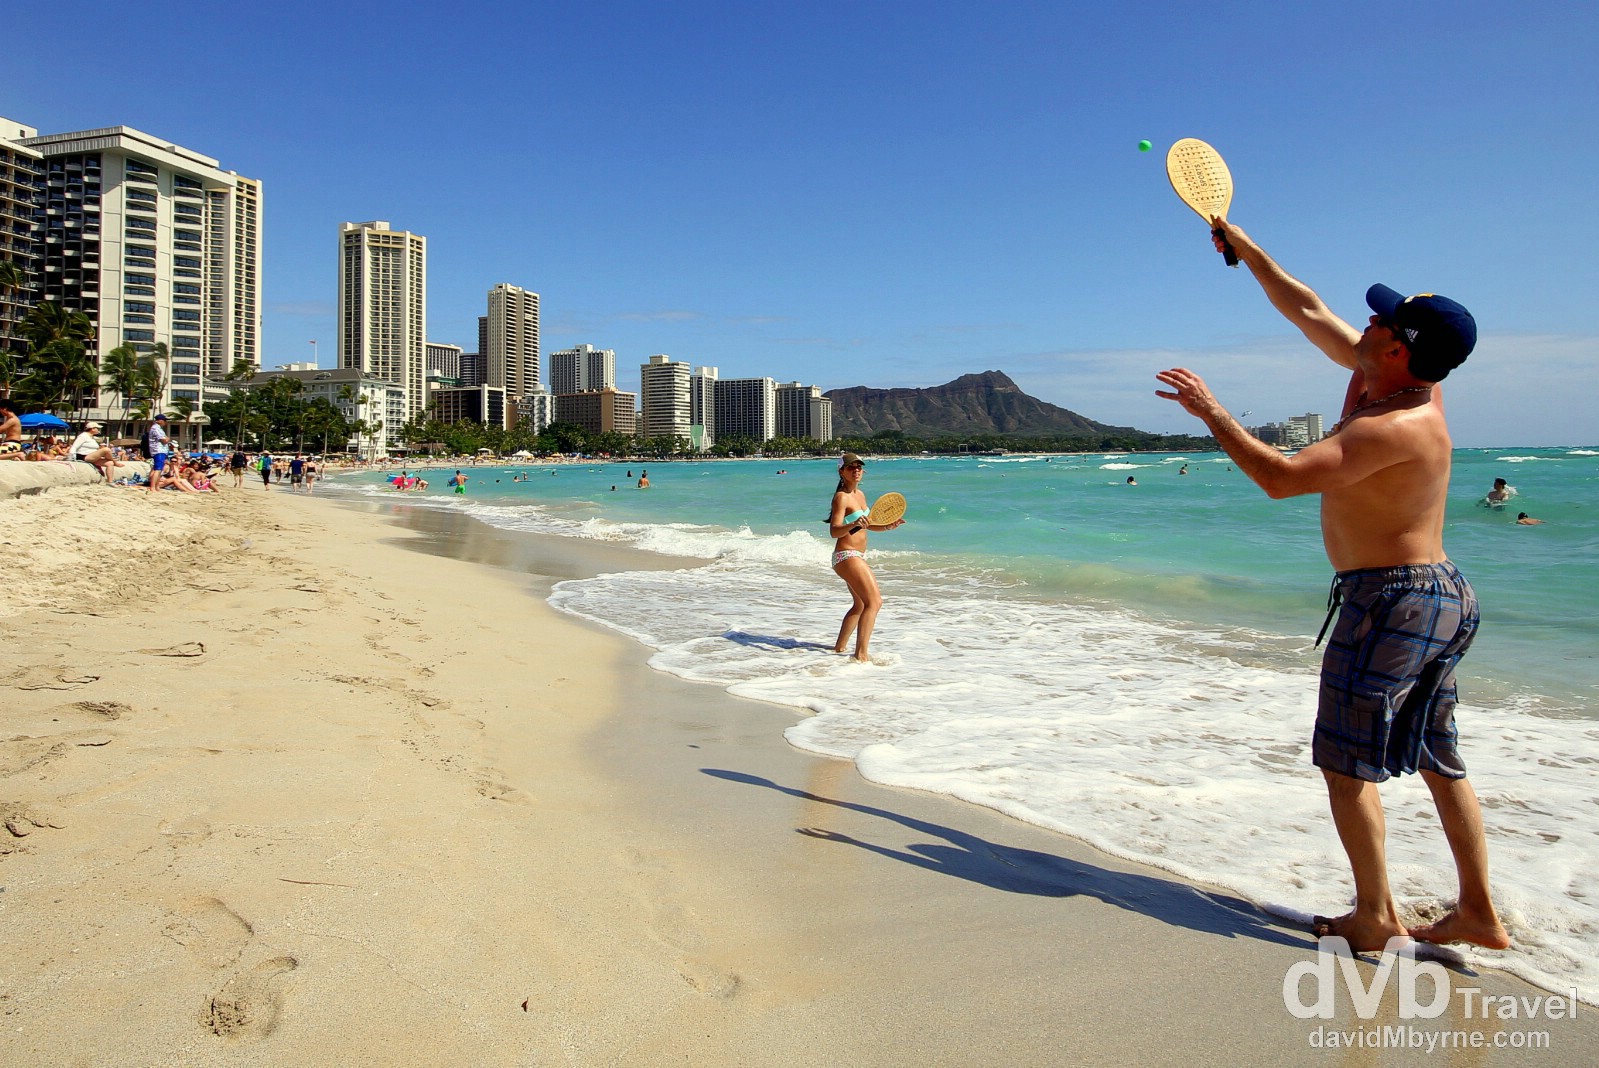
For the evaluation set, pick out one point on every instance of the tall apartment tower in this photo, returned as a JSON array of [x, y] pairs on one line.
[[155, 244], [746, 407], [664, 393], [802, 412], [21, 193], [510, 342], [383, 308], [582, 369], [702, 408], [444, 361]]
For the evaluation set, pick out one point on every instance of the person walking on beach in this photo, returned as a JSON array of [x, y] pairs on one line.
[[159, 448], [848, 523], [264, 462], [1388, 677], [236, 464]]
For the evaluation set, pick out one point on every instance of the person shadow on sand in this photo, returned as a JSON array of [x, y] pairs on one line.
[[1026, 871]]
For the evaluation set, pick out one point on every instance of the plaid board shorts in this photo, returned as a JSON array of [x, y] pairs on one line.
[[1388, 695]]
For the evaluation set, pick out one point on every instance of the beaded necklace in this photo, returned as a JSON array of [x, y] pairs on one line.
[[1357, 409]]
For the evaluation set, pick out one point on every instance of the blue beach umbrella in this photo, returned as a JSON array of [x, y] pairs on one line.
[[42, 421]]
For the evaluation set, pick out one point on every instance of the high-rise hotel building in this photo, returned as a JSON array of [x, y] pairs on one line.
[[510, 341], [383, 309], [702, 408], [802, 412], [665, 397], [152, 241], [582, 369], [746, 407], [21, 190]]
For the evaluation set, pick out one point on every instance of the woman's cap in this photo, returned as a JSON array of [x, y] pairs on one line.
[[850, 460]]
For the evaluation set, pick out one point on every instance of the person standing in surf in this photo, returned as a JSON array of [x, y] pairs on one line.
[[1406, 615], [848, 522]]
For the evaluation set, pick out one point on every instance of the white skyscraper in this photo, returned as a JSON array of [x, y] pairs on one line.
[[383, 308], [746, 407], [802, 412], [582, 370], [702, 408], [664, 395], [155, 244], [510, 345]]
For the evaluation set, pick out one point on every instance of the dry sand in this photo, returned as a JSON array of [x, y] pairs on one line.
[[279, 789]]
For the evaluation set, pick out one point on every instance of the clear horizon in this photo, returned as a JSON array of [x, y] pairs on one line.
[[891, 195]]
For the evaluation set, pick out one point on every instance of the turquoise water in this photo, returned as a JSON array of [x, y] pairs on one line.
[[1206, 548]]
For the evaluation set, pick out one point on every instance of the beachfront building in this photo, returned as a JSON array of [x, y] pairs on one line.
[[583, 368], [599, 411], [802, 412], [509, 341], [443, 362], [664, 395], [535, 410], [746, 407], [383, 307], [357, 396], [21, 211], [155, 244], [1304, 429], [472, 369], [469, 404], [702, 408]]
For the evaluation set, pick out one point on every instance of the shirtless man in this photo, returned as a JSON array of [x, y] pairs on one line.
[[1387, 680], [10, 432]]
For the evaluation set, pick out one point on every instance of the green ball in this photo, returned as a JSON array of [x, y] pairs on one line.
[[1144, 146]]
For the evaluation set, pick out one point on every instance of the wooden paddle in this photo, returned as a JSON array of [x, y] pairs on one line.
[[889, 508], [1201, 178]]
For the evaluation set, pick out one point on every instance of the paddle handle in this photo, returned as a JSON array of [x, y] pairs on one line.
[[1227, 252]]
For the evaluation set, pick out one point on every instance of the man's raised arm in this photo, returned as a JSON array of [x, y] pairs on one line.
[[1298, 302]]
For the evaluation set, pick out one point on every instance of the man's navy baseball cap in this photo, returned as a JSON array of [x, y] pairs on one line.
[[1439, 333], [161, 418]]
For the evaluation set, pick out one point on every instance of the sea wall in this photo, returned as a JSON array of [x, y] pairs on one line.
[[19, 477]]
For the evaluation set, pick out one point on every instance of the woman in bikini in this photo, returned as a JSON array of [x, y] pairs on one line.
[[848, 523]]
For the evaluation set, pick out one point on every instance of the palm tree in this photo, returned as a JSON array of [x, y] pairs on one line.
[[13, 279], [242, 369], [120, 368], [59, 372], [184, 407], [152, 380], [57, 340]]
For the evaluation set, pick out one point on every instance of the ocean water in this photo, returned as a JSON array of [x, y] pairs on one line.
[[1129, 665]]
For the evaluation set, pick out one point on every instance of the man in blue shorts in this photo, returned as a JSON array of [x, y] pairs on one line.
[[1407, 615], [156, 441]]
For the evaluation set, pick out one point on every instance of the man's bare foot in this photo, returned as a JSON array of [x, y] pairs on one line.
[[1364, 935], [1458, 927]]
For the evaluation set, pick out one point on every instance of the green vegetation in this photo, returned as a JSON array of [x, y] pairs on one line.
[[469, 438]]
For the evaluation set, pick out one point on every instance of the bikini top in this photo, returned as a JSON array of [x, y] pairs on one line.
[[855, 517]]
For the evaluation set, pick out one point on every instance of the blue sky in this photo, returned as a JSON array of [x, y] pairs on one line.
[[895, 194]]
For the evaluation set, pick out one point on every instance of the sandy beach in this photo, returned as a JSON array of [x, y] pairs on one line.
[[290, 781]]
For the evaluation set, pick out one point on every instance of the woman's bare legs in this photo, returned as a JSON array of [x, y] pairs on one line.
[[865, 602]]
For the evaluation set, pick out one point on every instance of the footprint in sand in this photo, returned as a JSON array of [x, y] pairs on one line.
[[214, 933], [249, 1005]]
